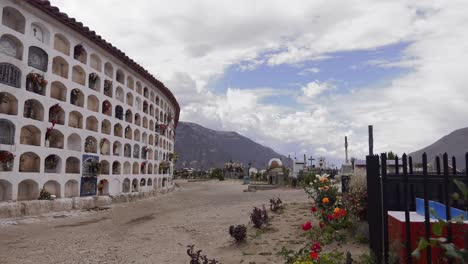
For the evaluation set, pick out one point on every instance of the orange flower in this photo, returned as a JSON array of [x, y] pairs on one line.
[[326, 187], [337, 209], [325, 200]]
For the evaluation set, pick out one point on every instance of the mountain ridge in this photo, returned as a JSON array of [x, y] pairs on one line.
[[455, 144], [199, 147]]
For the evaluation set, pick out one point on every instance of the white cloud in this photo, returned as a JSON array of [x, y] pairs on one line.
[[309, 71], [313, 89], [188, 50]]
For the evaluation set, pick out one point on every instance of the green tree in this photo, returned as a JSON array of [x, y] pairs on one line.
[[391, 155]]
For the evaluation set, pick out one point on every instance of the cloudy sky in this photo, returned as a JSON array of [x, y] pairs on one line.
[[300, 75]]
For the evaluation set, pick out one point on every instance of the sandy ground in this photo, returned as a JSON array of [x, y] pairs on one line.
[[157, 230]]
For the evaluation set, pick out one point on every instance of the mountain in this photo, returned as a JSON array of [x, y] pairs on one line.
[[455, 144], [203, 148]]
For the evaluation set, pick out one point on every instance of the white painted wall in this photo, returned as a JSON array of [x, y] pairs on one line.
[[50, 28]]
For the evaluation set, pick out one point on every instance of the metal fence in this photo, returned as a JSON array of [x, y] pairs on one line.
[[397, 191]]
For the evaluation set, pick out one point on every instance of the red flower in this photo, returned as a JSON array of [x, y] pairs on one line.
[[321, 224], [330, 217], [314, 255], [313, 209], [316, 247], [307, 226]]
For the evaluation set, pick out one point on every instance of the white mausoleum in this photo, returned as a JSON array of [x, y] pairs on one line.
[[77, 116]]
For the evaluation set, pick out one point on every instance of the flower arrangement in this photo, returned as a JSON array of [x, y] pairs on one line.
[[143, 165], [106, 106], [6, 156], [173, 157], [54, 112], [35, 82], [90, 145], [44, 195], [162, 127]]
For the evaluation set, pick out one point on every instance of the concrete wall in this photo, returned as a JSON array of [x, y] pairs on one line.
[[28, 173]]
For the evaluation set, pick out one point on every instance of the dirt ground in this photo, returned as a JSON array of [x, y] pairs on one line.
[[157, 230]]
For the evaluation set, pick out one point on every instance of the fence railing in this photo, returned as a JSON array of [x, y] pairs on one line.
[[397, 190]]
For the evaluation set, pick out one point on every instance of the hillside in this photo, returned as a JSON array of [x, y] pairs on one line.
[[455, 144], [202, 148]]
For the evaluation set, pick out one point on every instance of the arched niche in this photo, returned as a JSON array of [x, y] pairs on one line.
[[116, 168], [109, 70], [28, 190], [13, 19], [126, 185], [135, 185], [120, 94], [11, 46], [38, 58], [117, 148], [75, 119], [33, 109], [62, 44], [146, 93], [135, 168], [127, 168], [30, 135], [130, 82], [74, 142], [7, 132], [128, 132], [95, 62], [130, 99], [119, 112], [128, 116], [77, 97], [90, 145], [92, 123], [136, 135], [29, 162], [138, 87], [72, 165], [127, 151], [137, 119], [136, 151], [53, 187], [94, 81], [118, 130], [52, 164], [72, 189], [8, 104], [60, 67], [78, 75], [54, 139], [108, 88], [40, 32], [145, 122], [93, 103], [105, 167], [56, 115], [107, 108], [120, 76], [58, 91], [10, 75], [106, 127], [80, 54], [104, 146], [5, 190]]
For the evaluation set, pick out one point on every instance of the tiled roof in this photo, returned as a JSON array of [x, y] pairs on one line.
[[54, 12]]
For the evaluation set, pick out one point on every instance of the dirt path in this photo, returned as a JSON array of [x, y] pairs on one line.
[[155, 230]]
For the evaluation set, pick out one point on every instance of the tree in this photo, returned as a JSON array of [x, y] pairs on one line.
[[391, 155]]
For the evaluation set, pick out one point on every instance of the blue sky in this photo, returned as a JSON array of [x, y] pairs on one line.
[[345, 70]]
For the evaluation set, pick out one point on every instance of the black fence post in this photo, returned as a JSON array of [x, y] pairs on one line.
[[407, 209], [374, 192], [427, 222]]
